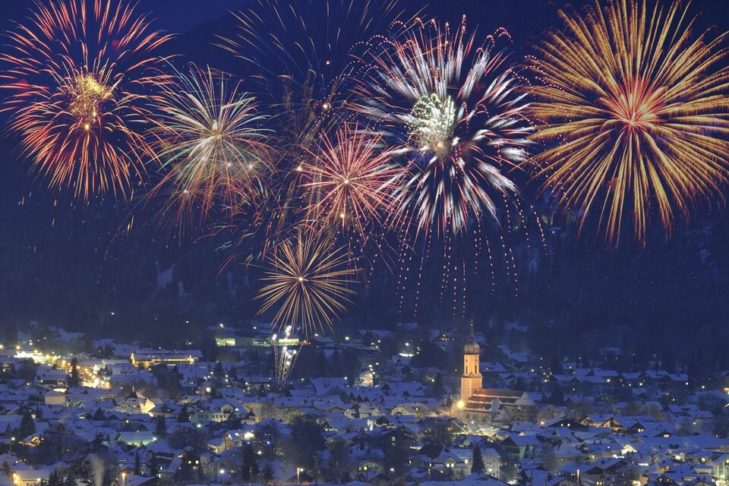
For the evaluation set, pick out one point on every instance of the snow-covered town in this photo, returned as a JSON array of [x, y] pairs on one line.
[[408, 405]]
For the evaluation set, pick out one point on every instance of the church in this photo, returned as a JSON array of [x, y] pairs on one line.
[[486, 405]]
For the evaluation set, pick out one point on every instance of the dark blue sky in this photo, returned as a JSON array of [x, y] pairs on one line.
[[527, 17], [171, 15]]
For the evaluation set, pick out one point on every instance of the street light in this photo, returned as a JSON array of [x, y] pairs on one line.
[[299, 470], [124, 478]]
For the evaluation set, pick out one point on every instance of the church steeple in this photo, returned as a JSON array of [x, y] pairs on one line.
[[471, 379]]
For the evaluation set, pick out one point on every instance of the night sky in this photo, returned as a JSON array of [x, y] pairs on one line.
[[73, 263]]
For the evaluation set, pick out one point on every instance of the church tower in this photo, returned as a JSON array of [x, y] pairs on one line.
[[471, 379]]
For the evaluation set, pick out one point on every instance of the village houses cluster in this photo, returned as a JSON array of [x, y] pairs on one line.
[[407, 405]]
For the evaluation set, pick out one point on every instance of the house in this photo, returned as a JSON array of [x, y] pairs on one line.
[[135, 403]]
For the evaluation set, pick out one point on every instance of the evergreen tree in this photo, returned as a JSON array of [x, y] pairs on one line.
[[152, 465], [249, 468], [556, 396], [321, 363], [477, 466], [54, 480], [219, 373], [555, 364], [161, 426], [27, 426], [184, 415], [73, 379], [70, 479]]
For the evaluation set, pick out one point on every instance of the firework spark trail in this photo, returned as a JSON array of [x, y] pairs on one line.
[[633, 111], [284, 356], [309, 282], [210, 139], [82, 74]]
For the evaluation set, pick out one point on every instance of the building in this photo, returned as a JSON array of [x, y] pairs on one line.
[[471, 380], [478, 404], [147, 359]]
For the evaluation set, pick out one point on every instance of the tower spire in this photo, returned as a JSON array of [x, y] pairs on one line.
[[471, 379]]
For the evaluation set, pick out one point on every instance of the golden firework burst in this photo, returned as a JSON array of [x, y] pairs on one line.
[[633, 112], [309, 282]]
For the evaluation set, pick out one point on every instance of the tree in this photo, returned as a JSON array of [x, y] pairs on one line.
[[73, 379], [54, 480], [439, 432], [184, 415], [268, 473], [137, 464], [219, 373], [153, 465], [27, 426], [556, 396], [70, 479], [547, 457], [160, 426], [721, 424], [304, 441], [477, 465], [555, 364], [185, 437], [268, 432], [339, 461], [508, 471], [430, 356], [249, 468]]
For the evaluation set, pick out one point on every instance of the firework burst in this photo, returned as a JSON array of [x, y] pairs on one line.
[[634, 114], [80, 78], [450, 108], [351, 179], [309, 281], [209, 136]]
